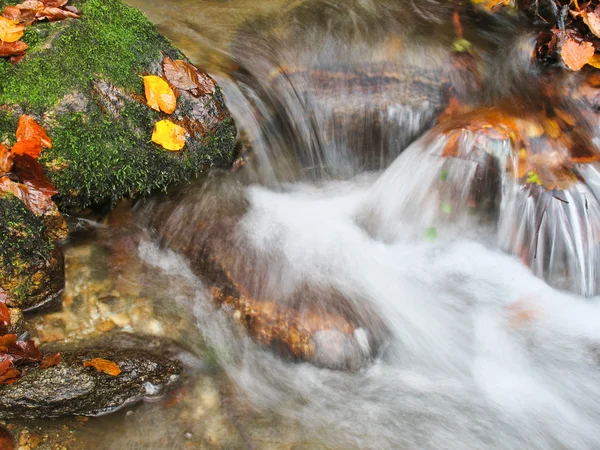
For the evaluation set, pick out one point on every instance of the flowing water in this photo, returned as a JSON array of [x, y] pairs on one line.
[[469, 341]]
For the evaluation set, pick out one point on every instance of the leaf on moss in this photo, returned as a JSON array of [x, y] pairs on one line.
[[159, 94], [103, 365], [10, 30], [187, 77], [31, 173], [168, 135], [50, 360], [575, 54], [37, 201], [27, 147], [12, 48], [29, 129]]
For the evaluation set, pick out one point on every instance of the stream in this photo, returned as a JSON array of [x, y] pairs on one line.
[[343, 194]]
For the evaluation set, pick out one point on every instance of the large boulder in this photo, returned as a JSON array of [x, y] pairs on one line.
[[81, 79]]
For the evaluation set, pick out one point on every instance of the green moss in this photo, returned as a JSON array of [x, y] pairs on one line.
[[98, 154], [107, 41]]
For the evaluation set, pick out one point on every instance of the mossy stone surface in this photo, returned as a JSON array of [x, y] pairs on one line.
[[31, 264], [81, 79]]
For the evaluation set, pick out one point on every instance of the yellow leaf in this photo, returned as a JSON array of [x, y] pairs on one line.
[[533, 178], [168, 135], [10, 30], [595, 61], [159, 94]]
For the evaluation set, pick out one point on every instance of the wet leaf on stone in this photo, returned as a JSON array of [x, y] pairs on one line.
[[25, 352], [29, 130], [9, 374], [10, 30], [576, 54], [168, 135], [159, 94], [103, 365], [185, 76], [50, 360]]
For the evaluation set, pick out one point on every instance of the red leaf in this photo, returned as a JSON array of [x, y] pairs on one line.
[[31, 173], [29, 129], [23, 352], [50, 360], [6, 440], [27, 147]]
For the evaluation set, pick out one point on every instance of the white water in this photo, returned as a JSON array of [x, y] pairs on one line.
[[482, 354]]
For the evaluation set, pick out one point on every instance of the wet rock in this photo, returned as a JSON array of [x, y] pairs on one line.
[[69, 388], [31, 263], [80, 79]]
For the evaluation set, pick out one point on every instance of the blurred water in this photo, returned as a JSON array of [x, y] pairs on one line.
[[348, 190]]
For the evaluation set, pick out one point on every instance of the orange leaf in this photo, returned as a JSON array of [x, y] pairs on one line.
[[103, 365], [10, 30], [8, 373], [27, 147], [12, 48], [159, 94], [50, 360], [29, 129], [6, 161], [576, 54], [4, 318]]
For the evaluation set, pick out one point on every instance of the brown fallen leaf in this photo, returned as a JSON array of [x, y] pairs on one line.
[[12, 48], [187, 77], [576, 54], [29, 129], [50, 360], [30, 172], [37, 201], [103, 365], [159, 94], [12, 13]]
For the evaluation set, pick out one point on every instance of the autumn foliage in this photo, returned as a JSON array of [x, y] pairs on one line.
[[16, 18], [20, 173]]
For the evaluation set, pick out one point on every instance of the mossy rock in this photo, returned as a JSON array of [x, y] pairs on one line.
[[31, 264], [81, 79]]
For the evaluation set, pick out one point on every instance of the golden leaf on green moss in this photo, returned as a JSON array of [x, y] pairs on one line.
[[168, 135], [10, 30], [159, 94]]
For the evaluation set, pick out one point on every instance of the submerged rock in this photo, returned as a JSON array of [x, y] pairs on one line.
[[31, 264], [70, 388], [81, 80]]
